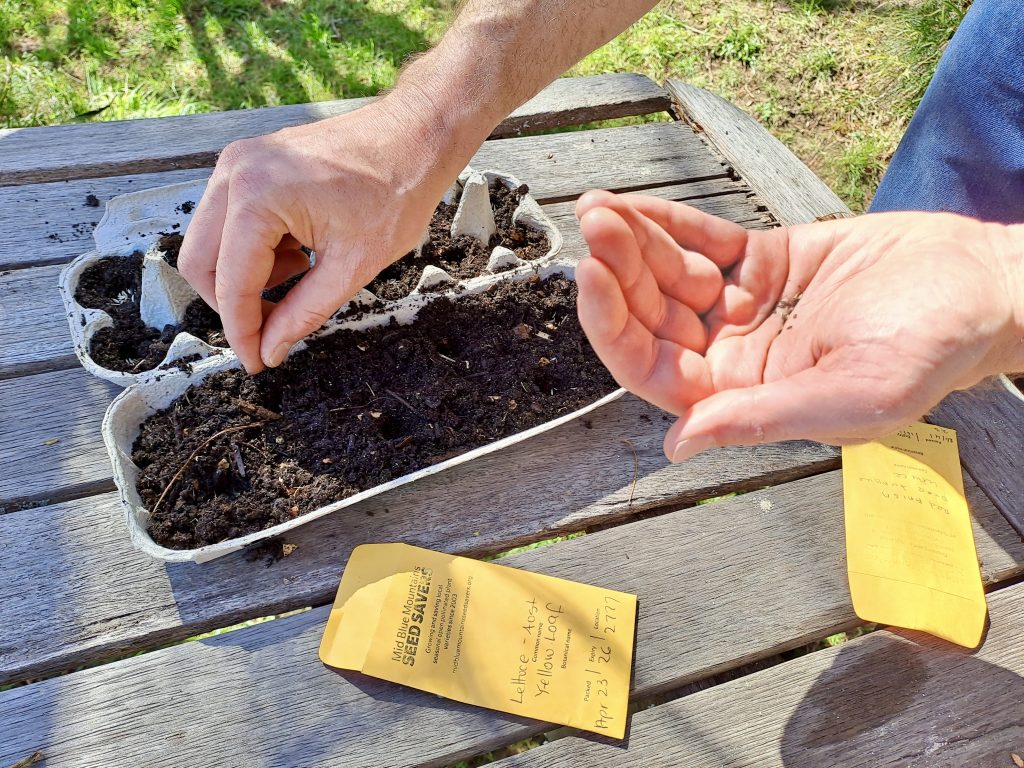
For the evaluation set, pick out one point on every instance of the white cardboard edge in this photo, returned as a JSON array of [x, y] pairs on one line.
[[123, 420], [1013, 389]]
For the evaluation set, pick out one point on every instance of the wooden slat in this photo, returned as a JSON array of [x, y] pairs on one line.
[[788, 187], [51, 224], [770, 563], [66, 407], [989, 422], [557, 167], [565, 480], [887, 699], [192, 141], [34, 335]]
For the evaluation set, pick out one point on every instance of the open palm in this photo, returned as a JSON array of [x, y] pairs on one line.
[[836, 331]]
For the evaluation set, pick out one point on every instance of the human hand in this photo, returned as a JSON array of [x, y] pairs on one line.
[[837, 331], [358, 189]]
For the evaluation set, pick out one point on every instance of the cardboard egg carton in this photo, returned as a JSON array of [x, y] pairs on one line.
[[135, 223], [125, 416]]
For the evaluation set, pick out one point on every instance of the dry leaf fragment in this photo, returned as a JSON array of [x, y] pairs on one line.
[[1017, 760], [327, 460], [287, 549], [376, 414], [51, 441], [32, 759], [522, 331], [543, 335], [294, 511]]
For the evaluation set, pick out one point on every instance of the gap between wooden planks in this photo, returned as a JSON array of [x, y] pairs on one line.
[[771, 562]]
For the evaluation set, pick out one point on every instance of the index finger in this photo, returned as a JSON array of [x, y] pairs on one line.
[[244, 265], [197, 259]]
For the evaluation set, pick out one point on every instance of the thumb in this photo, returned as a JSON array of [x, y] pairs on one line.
[[828, 406], [309, 304]]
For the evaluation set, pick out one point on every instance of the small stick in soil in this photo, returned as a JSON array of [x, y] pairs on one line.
[[32, 759], [206, 442], [636, 472], [257, 410], [402, 401]]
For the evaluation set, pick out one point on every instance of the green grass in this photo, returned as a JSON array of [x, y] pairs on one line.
[[836, 80]]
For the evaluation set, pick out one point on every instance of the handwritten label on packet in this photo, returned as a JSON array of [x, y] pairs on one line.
[[485, 634], [910, 549]]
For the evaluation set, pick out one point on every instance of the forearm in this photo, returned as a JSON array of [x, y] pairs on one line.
[[496, 55]]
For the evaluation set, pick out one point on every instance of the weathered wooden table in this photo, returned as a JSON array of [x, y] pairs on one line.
[[725, 588]]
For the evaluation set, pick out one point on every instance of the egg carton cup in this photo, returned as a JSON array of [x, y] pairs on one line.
[[135, 222], [123, 422]]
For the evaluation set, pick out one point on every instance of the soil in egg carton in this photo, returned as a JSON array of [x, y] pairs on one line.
[[237, 454]]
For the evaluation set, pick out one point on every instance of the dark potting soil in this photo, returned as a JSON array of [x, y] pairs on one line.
[[463, 256], [170, 244], [113, 284], [356, 409]]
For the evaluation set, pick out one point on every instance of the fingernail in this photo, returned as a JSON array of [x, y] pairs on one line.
[[690, 447], [278, 355]]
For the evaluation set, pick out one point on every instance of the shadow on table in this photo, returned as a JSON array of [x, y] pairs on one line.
[[907, 700]]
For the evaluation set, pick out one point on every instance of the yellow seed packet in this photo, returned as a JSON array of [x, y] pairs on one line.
[[485, 634], [910, 549]]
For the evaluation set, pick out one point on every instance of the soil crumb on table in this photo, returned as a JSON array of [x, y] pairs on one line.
[[464, 256], [357, 409]]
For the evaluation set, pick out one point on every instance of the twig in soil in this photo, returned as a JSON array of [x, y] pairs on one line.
[[32, 759], [371, 389], [403, 402], [257, 410], [206, 442], [636, 472]]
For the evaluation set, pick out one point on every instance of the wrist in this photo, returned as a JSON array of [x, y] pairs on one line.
[[1008, 265]]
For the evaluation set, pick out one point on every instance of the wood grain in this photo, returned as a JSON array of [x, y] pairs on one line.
[[93, 150], [110, 598], [891, 698], [66, 407], [770, 562], [788, 188], [989, 422]]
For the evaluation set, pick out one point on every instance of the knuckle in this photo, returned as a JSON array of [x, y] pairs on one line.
[[235, 152]]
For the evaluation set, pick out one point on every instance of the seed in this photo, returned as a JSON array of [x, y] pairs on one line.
[[279, 440], [294, 511], [512, 405], [533, 279]]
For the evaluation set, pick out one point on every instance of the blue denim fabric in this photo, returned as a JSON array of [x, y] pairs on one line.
[[964, 149]]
